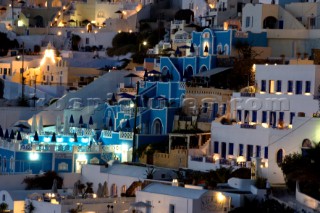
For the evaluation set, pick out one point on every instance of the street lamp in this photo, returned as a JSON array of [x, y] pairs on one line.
[[144, 43]]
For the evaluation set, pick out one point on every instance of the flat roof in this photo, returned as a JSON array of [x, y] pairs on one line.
[[212, 72], [175, 191]]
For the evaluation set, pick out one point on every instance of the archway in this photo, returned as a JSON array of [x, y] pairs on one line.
[[188, 73], [38, 21], [306, 144], [279, 156], [270, 22], [203, 69], [157, 127], [166, 75]]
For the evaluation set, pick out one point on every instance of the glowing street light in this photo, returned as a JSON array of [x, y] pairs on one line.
[[144, 43]]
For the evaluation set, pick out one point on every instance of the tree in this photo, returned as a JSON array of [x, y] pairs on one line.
[[44, 181], [6, 44], [303, 168], [242, 74], [3, 207]]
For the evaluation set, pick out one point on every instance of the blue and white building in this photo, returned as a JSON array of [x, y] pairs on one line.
[[279, 118]]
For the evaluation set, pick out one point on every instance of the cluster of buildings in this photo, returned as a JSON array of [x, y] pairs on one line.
[[84, 117]]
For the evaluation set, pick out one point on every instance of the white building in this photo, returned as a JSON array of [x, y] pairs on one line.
[[291, 29], [166, 198], [276, 120]]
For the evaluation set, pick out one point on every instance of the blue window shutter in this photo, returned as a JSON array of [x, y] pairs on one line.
[[223, 150], [258, 151], [264, 117], [292, 114], [278, 86], [224, 109], [308, 86], [281, 114], [254, 116], [249, 152], [266, 152], [298, 87], [240, 149], [290, 86], [216, 147], [230, 149], [263, 85], [214, 110], [239, 115]]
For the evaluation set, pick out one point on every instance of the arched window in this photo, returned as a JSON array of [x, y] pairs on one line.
[[123, 189], [219, 49], [306, 144], [114, 192], [226, 49], [279, 156], [270, 22], [100, 14], [157, 127]]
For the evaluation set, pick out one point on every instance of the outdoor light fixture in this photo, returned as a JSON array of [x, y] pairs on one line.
[[34, 156], [206, 50]]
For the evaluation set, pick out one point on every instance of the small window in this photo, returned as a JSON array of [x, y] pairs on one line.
[[278, 86], [44, 78], [258, 151], [205, 35], [3, 197], [5, 71], [254, 116], [308, 86], [171, 208], [292, 114], [63, 166], [9, 71], [240, 149], [264, 117], [266, 152], [263, 86], [226, 49], [219, 49], [52, 78], [271, 86], [290, 86], [279, 156], [48, 68], [298, 87], [248, 21], [87, 41], [163, 176], [216, 147], [239, 115], [230, 149]]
